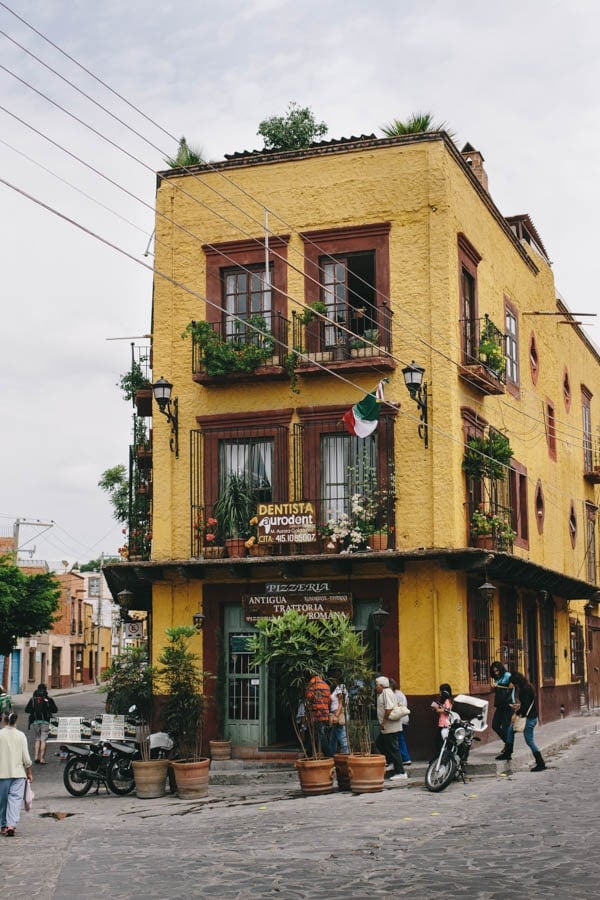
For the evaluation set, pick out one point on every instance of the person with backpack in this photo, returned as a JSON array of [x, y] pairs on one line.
[[41, 708], [5, 701]]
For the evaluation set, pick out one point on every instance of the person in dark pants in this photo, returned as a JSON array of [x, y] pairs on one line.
[[525, 706], [387, 740], [503, 699]]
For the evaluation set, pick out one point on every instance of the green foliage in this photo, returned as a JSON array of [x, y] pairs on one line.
[[95, 565], [182, 680], [186, 156], [293, 131], [490, 348], [28, 604], [498, 526], [308, 314], [234, 508], [128, 682], [116, 484], [295, 648], [488, 456], [251, 347], [417, 123], [133, 380]]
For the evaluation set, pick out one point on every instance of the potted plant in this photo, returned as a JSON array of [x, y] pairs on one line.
[[128, 687], [182, 680], [309, 313], [490, 530], [487, 456], [233, 510], [207, 530], [297, 648], [491, 352], [248, 348]]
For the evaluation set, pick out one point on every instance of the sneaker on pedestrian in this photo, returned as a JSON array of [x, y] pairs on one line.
[[401, 776], [389, 767], [407, 762]]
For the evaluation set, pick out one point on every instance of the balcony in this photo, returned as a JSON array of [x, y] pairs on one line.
[[343, 337], [234, 350], [490, 527], [349, 524], [591, 464], [484, 358]]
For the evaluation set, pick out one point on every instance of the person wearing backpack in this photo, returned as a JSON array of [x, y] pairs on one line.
[[41, 708], [5, 702]]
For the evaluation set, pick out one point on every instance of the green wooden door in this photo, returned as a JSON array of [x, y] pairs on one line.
[[244, 700]]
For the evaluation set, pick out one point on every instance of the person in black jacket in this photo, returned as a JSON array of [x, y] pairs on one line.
[[41, 708], [503, 711], [525, 705]]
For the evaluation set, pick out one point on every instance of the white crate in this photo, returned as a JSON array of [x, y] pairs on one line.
[[472, 708]]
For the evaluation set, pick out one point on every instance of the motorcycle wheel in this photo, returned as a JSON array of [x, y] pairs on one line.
[[120, 775], [76, 782], [436, 779]]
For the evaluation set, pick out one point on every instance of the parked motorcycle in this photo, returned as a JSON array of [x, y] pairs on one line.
[[467, 716], [105, 763]]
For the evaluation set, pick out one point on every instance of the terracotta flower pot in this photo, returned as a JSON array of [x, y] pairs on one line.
[[378, 541], [235, 547], [341, 771], [191, 778], [367, 773], [220, 749], [316, 775], [150, 778]]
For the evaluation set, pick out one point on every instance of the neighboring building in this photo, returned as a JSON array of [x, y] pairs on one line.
[[401, 242]]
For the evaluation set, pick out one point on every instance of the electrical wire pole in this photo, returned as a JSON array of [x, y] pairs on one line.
[[34, 523], [99, 626]]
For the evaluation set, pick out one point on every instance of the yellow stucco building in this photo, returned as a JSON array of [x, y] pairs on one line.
[[304, 279]]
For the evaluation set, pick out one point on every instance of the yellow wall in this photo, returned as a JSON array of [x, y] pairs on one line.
[[428, 197]]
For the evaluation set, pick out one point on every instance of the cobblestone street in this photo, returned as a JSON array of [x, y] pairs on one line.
[[520, 834]]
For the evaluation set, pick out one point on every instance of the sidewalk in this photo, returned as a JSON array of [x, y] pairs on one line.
[[21, 699]]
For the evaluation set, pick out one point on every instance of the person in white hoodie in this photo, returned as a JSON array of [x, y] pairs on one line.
[[15, 770], [387, 740]]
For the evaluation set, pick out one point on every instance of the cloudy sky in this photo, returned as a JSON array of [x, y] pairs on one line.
[[519, 80]]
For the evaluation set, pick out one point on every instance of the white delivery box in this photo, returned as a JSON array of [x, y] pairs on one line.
[[472, 708]]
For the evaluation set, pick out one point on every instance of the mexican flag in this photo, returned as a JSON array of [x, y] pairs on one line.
[[361, 420]]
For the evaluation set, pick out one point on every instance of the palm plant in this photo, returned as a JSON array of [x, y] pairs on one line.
[[186, 156], [235, 507], [415, 124]]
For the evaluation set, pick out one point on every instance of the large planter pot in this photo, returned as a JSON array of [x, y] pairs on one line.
[[367, 773], [342, 774], [483, 541], [220, 749], [191, 778], [316, 775], [150, 778], [235, 547]]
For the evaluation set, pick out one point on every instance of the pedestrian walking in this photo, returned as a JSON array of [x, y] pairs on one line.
[[317, 701], [387, 739], [525, 707], [442, 707], [41, 708], [402, 747], [15, 770], [5, 701], [338, 712], [503, 699]]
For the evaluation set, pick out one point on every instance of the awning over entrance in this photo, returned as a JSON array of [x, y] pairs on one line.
[[511, 570]]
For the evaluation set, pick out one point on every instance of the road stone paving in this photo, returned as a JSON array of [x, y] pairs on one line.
[[533, 835]]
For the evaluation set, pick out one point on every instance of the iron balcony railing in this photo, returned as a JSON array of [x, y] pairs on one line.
[[484, 344], [241, 345], [344, 524], [491, 527], [342, 332]]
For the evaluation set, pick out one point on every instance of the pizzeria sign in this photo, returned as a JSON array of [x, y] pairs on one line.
[[314, 599]]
